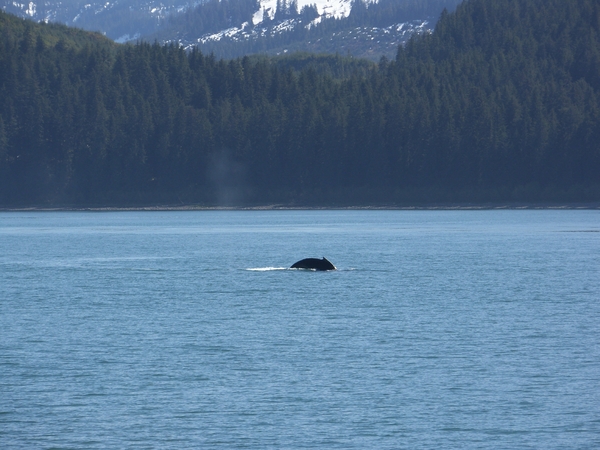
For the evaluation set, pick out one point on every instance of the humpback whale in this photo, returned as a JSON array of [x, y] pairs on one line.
[[314, 263]]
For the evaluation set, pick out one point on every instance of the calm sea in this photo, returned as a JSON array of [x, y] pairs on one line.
[[441, 329]]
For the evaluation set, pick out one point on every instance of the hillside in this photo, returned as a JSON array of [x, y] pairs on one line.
[[117, 19], [499, 103], [232, 28], [367, 29], [50, 35]]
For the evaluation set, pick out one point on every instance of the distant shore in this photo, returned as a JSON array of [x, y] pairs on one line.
[[426, 207]]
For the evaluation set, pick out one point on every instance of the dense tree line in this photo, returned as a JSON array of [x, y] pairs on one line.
[[510, 91], [500, 103], [332, 65]]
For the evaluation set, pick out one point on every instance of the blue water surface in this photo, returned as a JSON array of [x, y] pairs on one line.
[[441, 329]]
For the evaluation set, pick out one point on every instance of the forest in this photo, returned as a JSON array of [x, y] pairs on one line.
[[499, 104]]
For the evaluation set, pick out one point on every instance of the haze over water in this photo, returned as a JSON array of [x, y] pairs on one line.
[[441, 329]]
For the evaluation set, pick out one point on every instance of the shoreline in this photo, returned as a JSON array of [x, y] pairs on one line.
[[425, 207]]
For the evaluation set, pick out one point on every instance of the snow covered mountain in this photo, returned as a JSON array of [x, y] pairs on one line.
[[94, 15], [76, 12], [374, 28], [326, 8], [117, 19]]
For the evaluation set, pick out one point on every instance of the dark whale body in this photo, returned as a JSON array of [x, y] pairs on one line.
[[314, 264]]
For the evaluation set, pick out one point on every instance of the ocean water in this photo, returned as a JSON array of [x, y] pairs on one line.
[[440, 329]]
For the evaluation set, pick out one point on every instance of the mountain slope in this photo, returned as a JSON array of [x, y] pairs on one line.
[[231, 28], [500, 103], [117, 19], [49, 35], [510, 92], [372, 29]]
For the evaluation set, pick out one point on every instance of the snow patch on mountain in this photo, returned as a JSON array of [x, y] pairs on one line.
[[127, 38], [380, 37], [326, 8]]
